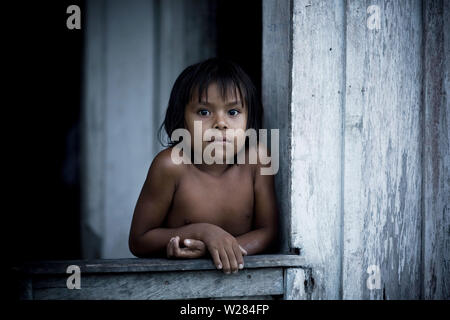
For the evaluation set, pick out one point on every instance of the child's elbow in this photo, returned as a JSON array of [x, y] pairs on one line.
[[139, 250], [133, 247], [136, 252]]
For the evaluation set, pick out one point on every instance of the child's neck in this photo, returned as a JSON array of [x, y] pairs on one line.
[[213, 169]]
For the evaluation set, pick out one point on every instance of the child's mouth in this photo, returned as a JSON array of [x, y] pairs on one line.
[[219, 140]]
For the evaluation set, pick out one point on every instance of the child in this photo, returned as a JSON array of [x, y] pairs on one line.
[[224, 210]]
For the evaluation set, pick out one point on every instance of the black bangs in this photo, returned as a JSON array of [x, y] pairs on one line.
[[196, 79], [221, 74]]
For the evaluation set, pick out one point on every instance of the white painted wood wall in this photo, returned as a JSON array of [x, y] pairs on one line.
[[364, 179]]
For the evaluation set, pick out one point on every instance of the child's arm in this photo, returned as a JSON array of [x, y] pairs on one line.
[[146, 237], [266, 213]]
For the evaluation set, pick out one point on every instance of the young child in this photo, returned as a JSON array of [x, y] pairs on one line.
[[190, 210]]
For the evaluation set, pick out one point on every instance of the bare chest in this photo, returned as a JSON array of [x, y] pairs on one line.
[[226, 201]]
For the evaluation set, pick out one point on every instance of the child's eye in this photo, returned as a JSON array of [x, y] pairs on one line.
[[203, 112], [234, 112]]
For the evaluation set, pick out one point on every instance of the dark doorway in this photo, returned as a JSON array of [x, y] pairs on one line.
[[45, 156], [239, 35], [44, 172]]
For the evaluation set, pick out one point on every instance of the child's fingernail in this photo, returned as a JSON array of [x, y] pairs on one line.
[[241, 266], [187, 241], [219, 266]]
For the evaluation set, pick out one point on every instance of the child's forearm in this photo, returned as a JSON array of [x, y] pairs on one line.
[[154, 242], [256, 241]]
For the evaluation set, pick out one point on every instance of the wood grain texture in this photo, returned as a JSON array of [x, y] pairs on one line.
[[117, 121], [93, 130], [269, 297], [276, 89], [382, 167], [154, 265], [128, 128], [295, 283], [436, 152], [186, 33], [162, 285], [263, 277], [317, 89]]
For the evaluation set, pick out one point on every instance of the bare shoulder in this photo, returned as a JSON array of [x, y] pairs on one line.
[[164, 165], [261, 153]]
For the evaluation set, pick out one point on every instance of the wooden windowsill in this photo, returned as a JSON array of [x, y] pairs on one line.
[[264, 276], [154, 264]]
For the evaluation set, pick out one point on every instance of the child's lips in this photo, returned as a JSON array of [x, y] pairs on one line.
[[222, 140]]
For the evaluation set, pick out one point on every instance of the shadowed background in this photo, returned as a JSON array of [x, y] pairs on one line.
[[94, 101]]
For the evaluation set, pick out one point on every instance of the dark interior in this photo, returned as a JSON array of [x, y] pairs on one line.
[[45, 159]]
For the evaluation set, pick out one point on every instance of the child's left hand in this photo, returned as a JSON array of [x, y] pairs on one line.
[[194, 248]]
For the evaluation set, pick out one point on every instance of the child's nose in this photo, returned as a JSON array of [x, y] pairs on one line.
[[220, 123]]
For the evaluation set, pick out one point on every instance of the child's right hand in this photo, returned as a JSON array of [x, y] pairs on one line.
[[194, 248], [223, 248]]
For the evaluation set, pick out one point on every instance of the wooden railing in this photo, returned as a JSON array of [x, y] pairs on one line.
[[271, 276]]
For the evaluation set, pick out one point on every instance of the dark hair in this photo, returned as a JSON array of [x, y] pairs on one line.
[[227, 75]]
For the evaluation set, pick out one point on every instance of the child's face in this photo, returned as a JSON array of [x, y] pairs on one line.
[[218, 115]]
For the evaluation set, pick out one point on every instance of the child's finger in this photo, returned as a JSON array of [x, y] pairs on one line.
[[191, 254], [176, 247], [216, 259], [224, 259], [232, 259], [194, 244], [243, 250], [238, 254], [170, 248]]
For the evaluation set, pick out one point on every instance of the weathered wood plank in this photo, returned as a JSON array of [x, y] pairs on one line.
[[93, 129], [317, 93], [272, 297], [436, 152], [295, 284], [276, 88], [186, 35], [25, 287], [150, 265], [117, 118], [382, 175], [163, 285], [127, 149]]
